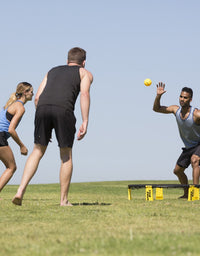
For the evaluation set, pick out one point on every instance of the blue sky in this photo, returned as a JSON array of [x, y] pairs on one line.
[[126, 42]]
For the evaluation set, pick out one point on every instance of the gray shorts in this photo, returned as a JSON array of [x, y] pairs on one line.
[[49, 117], [184, 159]]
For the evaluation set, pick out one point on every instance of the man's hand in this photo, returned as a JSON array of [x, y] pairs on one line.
[[160, 88], [82, 131], [163, 109]]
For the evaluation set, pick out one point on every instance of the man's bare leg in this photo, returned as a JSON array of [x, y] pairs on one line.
[[195, 166], [29, 171], [65, 175], [179, 172]]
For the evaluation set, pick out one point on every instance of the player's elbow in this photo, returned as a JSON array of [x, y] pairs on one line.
[[155, 109], [85, 94], [11, 130]]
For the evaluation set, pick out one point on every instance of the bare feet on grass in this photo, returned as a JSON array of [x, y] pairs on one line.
[[185, 196], [66, 204], [17, 200]]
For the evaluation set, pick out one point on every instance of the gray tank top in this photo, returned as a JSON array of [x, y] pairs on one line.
[[189, 131]]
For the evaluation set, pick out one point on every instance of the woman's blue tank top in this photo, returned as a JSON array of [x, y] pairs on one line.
[[4, 122]]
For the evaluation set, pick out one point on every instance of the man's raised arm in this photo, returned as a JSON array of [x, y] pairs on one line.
[[162, 109]]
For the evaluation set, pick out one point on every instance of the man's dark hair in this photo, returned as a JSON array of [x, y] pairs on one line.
[[76, 55], [188, 90]]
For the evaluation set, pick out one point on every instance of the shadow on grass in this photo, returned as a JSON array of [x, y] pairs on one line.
[[74, 204], [85, 203]]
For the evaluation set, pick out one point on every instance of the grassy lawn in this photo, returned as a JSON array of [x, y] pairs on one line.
[[102, 222]]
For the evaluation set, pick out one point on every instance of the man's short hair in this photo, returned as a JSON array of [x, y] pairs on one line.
[[76, 55], [188, 90]]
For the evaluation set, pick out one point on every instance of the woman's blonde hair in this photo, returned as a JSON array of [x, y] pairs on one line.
[[21, 88]]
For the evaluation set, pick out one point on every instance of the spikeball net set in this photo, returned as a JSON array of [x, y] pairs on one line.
[[193, 190]]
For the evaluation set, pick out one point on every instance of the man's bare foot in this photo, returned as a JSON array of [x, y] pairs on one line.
[[183, 196], [66, 204], [17, 200]]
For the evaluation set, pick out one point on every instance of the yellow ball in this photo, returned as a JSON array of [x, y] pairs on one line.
[[147, 82]]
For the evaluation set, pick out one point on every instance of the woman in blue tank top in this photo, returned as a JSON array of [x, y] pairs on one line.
[[10, 116]]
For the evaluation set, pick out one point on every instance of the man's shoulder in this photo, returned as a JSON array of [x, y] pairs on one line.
[[195, 110], [84, 72], [196, 115], [174, 109]]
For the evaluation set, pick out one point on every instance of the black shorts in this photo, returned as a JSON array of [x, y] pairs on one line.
[[3, 139], [49, 117], [185, 157]]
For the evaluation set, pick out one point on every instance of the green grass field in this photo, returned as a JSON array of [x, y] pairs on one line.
[[102, 222]]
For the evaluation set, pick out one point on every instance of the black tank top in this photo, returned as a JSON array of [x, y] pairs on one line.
[[62, 88]]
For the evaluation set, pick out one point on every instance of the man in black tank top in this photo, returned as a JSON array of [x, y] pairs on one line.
[[55, 101]]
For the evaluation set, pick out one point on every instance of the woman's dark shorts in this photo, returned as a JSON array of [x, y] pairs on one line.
[[3, 139], [49, 117], [185, 157]]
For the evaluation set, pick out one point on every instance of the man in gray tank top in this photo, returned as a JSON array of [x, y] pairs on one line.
[[188, 121], [55, 100]]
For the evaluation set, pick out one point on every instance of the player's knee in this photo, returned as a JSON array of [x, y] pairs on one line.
[[13, 168], [176, 171], [194, 160]]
